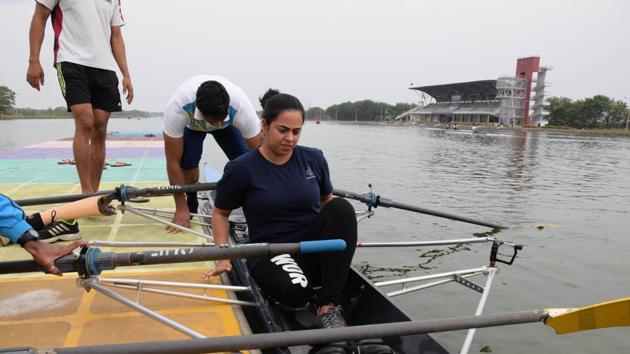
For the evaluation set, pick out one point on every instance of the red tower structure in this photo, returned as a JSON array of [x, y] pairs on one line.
[[525, 68]]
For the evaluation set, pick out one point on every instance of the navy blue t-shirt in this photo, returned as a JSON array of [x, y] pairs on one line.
[[279, 201]]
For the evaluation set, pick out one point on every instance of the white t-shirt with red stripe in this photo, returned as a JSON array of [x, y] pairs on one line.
[[83, 29]]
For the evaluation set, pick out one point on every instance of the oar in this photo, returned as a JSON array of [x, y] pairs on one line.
[[91, 261], [360, 244], [125, 193], [60, 198], [608, 314], [615, 313], [374, 200], [122, 193]]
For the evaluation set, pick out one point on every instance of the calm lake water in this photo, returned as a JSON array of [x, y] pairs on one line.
[[578, 187]]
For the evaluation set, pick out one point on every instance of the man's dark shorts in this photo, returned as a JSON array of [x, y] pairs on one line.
[[84, 84], [229, 139]]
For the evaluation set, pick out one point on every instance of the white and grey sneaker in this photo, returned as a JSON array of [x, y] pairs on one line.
[[333, 318], [61, 230]]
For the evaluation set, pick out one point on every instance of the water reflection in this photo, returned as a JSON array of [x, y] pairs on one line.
[[375, 273]]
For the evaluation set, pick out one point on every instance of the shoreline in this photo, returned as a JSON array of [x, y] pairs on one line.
[[621, 132], [595, 131]]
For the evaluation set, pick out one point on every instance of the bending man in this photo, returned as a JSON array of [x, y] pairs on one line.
[[204, 105]]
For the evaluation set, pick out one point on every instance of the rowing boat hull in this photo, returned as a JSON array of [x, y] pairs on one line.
[[365, 304]]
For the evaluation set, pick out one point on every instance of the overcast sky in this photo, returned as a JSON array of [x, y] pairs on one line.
[[331, 51]]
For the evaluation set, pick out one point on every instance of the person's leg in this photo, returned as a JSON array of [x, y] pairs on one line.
[[283, 279], [83, 125], [193, 148], [192, 176], [337, 219], [231, 141], [105, 99], [74, 84], [97, 147]]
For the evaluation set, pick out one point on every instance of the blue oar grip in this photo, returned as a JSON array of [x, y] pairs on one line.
[[322, 246]]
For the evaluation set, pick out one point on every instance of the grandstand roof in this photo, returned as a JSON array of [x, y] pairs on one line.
[[482, 90]]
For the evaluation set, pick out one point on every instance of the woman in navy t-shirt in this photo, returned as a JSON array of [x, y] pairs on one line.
[[286, 195]]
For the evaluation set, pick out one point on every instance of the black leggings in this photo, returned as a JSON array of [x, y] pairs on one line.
[[289, 279]]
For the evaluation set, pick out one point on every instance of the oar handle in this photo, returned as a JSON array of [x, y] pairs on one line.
[[91, 261], [322, 246]]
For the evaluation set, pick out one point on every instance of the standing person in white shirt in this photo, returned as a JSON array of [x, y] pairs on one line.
[[87, 42], [202, 105]]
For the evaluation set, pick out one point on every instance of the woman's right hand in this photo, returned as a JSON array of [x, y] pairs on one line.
[[222, 266]]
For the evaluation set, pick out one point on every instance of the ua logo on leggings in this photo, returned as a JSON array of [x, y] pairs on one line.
[[290, 266]]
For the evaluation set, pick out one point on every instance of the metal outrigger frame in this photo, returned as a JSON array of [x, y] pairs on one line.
[[460, 277], [160, 215], [103, 285]]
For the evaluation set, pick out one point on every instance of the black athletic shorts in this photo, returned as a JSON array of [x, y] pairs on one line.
[[84, 84]]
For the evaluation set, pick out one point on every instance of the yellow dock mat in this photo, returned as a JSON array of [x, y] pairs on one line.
[[44, 311]]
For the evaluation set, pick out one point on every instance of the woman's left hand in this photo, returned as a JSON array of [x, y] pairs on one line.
[[222, 266]]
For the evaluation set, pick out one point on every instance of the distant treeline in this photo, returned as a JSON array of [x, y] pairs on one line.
[[595, 112], [62, 112], [365, 110]]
